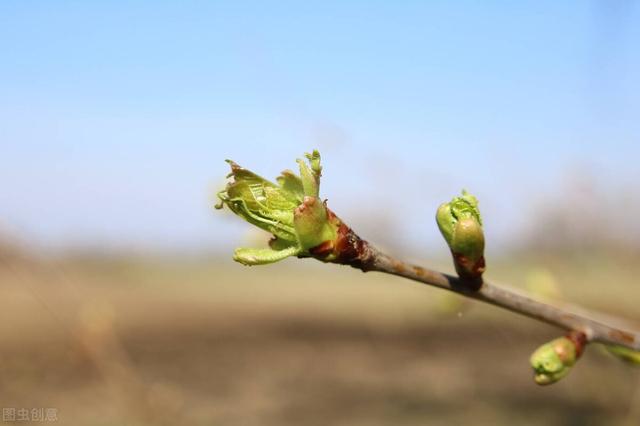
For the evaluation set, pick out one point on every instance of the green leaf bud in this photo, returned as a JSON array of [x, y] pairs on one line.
[[460, 223], [311, 223], [553, 360]]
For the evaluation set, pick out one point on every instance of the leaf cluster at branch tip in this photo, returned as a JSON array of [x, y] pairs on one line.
[[289, 209]]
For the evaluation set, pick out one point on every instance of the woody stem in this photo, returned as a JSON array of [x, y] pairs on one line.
[[567, 317]]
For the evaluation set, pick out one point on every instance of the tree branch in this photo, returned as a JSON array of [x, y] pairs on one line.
[[566, 317], [303, 226]]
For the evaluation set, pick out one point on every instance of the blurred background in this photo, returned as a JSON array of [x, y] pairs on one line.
[[120, 302]]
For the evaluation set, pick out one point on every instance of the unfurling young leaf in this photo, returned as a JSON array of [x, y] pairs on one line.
[[290, 210]]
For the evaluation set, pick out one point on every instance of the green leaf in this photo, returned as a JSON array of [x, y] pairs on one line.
[[314, 162], [310, 174], [260, 202], [263, 256], [291, 184], [625, 354], [291, 210]]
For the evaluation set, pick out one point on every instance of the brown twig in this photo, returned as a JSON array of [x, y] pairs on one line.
[[362, 255]]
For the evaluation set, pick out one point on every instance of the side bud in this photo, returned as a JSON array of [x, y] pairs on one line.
[[553, 360], [312, 224], [460, 223]]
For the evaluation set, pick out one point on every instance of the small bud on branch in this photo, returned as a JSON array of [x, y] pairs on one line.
[[553, 360], [461, 226]]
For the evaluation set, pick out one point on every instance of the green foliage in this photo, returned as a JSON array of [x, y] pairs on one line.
[[289, 209]]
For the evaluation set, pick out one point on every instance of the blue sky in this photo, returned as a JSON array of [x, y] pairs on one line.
[[115, 117]]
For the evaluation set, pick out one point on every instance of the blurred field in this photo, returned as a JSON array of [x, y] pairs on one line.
[[134, 340]]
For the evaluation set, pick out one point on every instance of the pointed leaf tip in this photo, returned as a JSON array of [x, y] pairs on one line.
[[314, 162]]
